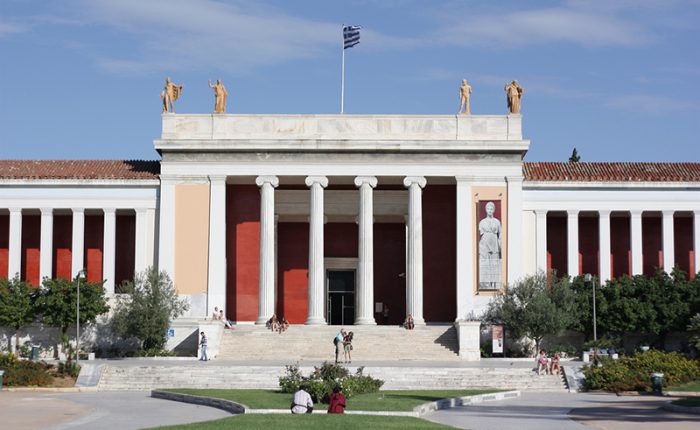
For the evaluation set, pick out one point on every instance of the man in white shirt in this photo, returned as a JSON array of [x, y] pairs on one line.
[[302, 403]]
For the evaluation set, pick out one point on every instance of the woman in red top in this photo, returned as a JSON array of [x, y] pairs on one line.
[[337, 402]]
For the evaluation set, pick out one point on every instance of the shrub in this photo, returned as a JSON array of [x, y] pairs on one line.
[[565, 350], [320, 383], [24, 373], [633, 373], [68, 369], [153, 352]]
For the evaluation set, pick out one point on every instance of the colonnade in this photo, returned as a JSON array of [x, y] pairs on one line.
[[365, 272], [46, 248], [636, 239]]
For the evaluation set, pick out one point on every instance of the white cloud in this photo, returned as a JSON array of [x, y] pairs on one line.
[[514, 28], [182, 34], [7, 28]]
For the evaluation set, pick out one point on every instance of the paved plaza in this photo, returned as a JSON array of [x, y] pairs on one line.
[[135, 410]]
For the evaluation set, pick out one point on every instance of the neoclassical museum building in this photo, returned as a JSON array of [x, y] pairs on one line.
[[344, 219]]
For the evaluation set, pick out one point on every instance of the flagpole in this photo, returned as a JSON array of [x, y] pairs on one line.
[[342, 71]]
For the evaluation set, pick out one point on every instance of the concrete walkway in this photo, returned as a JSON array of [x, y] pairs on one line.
[[537, 411], [90, 411]]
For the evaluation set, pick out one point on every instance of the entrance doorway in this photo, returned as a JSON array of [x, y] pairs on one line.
[[340, 287]]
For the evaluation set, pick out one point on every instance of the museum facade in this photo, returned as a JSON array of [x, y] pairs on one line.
[[344, 219]]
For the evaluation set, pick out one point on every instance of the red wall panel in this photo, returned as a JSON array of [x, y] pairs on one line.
[[94, 229], [620, 251], [62, 246], [340, 240], [4, 245], [31, 242], [439, 253], [652, 248], [125, 252], [588, 239], [292, 271], [242, 251], [389, 263], [683, 244], [557, 242]]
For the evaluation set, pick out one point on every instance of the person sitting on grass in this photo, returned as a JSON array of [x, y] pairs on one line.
[[408, 324], [302, 403], [336, 404]]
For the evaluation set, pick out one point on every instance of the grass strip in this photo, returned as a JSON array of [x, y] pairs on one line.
[[390, 400], [688, 401], [311, 422], [690, 386]]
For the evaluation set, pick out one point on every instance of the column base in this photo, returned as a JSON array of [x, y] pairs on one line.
[[417, 321], [315, 321], [261, 320], [365, 321]]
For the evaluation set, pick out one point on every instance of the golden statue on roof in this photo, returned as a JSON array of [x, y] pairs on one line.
[[220, 95], [171, 92], [514, 92]]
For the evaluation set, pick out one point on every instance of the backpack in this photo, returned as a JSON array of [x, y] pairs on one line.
[[335, 340]]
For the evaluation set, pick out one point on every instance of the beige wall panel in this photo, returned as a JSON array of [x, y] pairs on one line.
[[483, 194], [191, 238]]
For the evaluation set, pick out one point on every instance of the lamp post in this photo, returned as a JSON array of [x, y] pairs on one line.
[[81, 273], [588, 278]]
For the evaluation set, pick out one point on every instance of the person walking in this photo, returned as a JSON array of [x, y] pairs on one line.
[[203, 345]]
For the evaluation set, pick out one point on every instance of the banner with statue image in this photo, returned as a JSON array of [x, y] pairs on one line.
[[490, 237]]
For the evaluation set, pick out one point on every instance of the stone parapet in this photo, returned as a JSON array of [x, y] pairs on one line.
[[182, 132]]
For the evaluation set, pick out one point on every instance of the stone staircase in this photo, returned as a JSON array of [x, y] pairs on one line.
[[232, 375], [371, 343]]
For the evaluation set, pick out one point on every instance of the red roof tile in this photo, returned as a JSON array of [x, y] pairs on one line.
[[612, 172], [79, 169]]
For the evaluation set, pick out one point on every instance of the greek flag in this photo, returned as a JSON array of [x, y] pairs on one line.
[[351, 35]]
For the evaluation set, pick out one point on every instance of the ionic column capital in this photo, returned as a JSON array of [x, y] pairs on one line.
[[78, 210], [109, 211], [418, 180], [604, 213], [636, 213], [218, 178], [369, 180], [572, 212], [46, 211], [321, 180], [668, 213], [15, 210], [272, 180]]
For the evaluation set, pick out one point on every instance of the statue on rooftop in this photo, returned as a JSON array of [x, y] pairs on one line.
[[514, 92], [170, 93], [464, 94], [220, 94]]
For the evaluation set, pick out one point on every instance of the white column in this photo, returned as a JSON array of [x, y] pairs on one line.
[[216, 290], [365, 268], [140, 245], [515, 228], [316, 271], [78, 243], [414, 273], [266, 290], [109, 246], [541, 240], [668, 242], [14, 263], [604, 245], [464, 255], [46, 247], [696, 239], [150, 237], [572, 242], [166, 234], [636, 241]]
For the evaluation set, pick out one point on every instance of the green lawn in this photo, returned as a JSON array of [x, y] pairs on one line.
[[310, 422], [381, 401], [688, 401], [690, 386]]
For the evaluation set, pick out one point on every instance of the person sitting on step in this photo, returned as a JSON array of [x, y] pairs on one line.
[[273, 323], [283, 325], [408, 324]]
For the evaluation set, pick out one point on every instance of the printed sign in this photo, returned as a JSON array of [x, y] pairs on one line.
[[497, 339], [170, 332]]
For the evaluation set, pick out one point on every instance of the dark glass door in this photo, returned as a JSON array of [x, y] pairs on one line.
[[341, 297]]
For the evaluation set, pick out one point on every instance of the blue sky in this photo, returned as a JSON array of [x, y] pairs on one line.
[[617, 79]]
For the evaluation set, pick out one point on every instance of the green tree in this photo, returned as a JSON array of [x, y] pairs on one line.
[[57, 300], [16, 306], [694, 329], [534, 307], [148, 310]]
